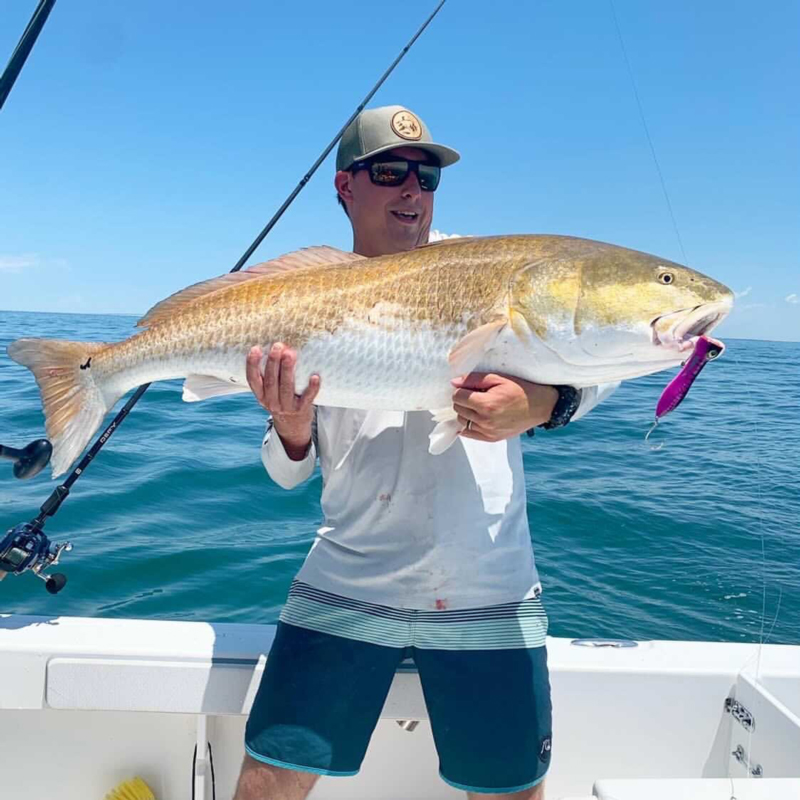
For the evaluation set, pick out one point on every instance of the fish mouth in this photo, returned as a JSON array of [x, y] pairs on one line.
[[680, 330]]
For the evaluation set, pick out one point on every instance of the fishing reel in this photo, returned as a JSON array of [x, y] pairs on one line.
[[25, 547]]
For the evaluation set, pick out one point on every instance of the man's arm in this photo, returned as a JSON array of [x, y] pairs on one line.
[[286, 471], [499, 407], [288, 451]]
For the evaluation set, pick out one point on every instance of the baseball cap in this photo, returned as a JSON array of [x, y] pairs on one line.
[[376, 130]]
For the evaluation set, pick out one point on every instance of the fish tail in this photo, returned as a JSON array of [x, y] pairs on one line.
[[73, 400]]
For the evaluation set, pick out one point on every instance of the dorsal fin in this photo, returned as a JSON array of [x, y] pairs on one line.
[[307, 258]]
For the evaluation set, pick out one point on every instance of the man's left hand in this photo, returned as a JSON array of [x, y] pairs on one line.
[[499, 407]]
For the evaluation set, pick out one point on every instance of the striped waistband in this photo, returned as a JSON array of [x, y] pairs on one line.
[[499, 627]]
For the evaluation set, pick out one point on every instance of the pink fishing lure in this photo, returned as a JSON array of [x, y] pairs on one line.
[[704, 351]]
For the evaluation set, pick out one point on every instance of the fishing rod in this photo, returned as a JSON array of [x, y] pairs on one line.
[[23, 48], [25, 546]]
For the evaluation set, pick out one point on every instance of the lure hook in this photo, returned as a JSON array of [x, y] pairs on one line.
[[647, 436]]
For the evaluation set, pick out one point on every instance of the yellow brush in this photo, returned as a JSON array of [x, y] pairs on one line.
[[136, 789]]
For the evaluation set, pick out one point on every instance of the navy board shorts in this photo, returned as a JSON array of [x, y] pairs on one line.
[[483, 673]]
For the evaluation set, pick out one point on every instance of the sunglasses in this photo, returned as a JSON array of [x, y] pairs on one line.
[[392, 171]]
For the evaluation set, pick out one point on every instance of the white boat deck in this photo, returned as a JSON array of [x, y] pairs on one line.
[[87, 703]]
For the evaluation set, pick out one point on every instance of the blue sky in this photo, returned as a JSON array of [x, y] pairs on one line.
[[146, 144]]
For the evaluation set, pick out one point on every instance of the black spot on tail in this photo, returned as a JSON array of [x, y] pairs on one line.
[[87, 364]]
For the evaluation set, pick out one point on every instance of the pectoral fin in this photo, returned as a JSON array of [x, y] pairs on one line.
[[201, 387], [468, 352], [446, 431]]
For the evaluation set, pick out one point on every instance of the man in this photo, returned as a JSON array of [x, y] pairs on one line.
[[420, 556]]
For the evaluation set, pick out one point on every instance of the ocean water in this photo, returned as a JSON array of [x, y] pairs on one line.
[[177, 519]]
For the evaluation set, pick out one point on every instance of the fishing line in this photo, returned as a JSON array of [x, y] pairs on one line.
[[775, 618], [759, 484], [647, 132], [654, 425]]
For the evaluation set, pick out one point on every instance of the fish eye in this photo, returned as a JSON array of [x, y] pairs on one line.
[[666, 278]]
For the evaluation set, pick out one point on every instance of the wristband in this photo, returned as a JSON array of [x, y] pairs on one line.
[[569, 399]]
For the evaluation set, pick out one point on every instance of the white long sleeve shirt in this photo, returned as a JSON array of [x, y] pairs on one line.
[[409, 530]]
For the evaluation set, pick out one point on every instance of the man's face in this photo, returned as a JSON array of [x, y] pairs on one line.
[[387, 219]]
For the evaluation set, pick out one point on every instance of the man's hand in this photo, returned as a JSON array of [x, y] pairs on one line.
[[274, 389], [499, 407]]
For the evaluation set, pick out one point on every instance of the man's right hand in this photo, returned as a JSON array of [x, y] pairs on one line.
[[274, 389]]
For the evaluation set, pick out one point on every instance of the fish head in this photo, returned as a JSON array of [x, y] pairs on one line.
[[610, 304], [632, 302]]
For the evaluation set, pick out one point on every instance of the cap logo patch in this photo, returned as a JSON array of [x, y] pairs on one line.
[[407, 126]]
